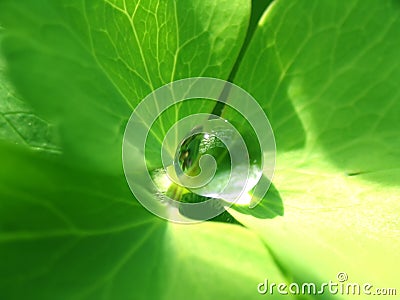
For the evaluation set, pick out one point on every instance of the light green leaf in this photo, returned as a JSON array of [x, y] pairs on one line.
[[327, 74]]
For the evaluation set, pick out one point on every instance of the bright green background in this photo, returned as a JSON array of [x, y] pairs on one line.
[[325, 72]]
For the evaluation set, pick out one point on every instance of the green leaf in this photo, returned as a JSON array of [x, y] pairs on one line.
[[327, 74], [91, 62], [18, 123], [75, 234], [80, 236]]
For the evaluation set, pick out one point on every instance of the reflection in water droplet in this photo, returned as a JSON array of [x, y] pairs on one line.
[[216, 164], [188, 156], [236, 184]]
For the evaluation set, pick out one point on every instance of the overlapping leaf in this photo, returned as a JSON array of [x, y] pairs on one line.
[[327, 75]]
